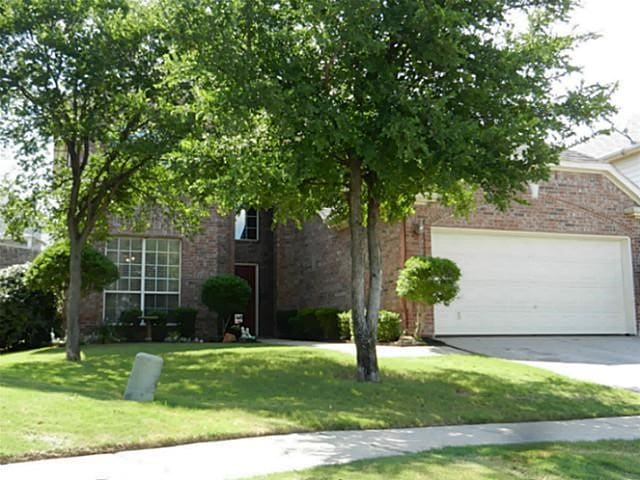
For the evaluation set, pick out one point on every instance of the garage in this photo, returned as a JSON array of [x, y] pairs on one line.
[[524, 283]]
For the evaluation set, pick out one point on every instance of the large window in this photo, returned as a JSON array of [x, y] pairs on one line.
[[247, 225], [149, 276]]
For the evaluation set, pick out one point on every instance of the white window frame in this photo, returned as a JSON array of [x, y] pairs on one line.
[[257, 239], [142, 292]]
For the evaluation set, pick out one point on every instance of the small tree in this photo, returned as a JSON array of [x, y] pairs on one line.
[[89, 75], [428, 281], [226, 295], [50, 271]]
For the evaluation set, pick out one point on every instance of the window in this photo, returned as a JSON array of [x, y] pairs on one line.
[[149, 276], [247, 224]]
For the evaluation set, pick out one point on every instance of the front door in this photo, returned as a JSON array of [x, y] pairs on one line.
[[248, 273]]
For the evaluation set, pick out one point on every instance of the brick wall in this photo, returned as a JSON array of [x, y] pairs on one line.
[[207, 253], [12, 255], [314, 265]]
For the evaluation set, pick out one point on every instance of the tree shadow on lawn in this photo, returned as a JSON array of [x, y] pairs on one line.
[[317, 389]]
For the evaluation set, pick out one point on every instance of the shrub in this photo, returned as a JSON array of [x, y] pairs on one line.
[[131, 316], [304, 325], [185, 320], [310, 324], [50, 270], [283, 319], [428, 281], [27, 314], [226, 295], [345, 325], [389, 326], [329, 322], [105, 334]]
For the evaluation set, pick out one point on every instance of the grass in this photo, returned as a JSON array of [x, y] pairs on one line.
[[50, 407], [611, 460]]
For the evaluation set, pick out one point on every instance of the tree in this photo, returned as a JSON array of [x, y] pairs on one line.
[[226, 295], [428, 281], [89, 75], [49, 271], [360, 106]]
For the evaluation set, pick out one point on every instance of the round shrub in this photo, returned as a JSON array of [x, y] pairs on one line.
[[226, 295], [429, 280], [27, 314], [50, 269]]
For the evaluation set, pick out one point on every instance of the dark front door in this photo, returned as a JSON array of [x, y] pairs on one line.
[[248, 272]]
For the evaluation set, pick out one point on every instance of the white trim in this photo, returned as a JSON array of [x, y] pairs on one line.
[[620, 154], [142, 292], [250, 240], [256, 267], [526, 233], [626, 257], [606, 169]]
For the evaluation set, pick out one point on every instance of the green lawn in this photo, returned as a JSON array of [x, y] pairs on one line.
[[586, 461], [51, 407]]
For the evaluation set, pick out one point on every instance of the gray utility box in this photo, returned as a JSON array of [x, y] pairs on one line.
[[144, 377]]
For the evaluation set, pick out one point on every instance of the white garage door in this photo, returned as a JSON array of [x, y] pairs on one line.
[[516, 283]]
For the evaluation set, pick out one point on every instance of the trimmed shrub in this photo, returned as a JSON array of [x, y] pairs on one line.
[[27, 314], [50, 270], [128, 327], [226, 295], [311, 324], [428, 281], [329, 322], [185, 320], [345, 325], [389, 326], [131, 316], [283, 319]]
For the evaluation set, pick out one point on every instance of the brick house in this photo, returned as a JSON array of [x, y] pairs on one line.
[[567, 263], [13, 253]]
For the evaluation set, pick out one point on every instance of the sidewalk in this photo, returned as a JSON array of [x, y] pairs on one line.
[[243, 458]]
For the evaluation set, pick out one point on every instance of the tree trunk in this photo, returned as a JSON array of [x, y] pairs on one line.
[[375, 278], [73, 300], [365, 342]]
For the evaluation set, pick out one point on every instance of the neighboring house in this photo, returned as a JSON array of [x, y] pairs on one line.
[[12, 252], [567, 263]]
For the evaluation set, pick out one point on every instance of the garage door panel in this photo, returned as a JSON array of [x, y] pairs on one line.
[[581, 298], [515, 283], [530, 323], [531, 270]]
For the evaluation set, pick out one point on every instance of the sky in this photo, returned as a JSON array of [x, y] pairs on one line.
[[609, 59]]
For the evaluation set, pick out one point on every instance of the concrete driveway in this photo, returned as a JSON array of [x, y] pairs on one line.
[[609, 360]]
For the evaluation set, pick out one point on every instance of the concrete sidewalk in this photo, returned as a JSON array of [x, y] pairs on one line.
[[243, 458]]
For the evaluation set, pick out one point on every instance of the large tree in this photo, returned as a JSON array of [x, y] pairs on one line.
[[89, 75], [362, 105]]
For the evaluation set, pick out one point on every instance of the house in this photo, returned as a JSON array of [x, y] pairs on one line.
[[566, 263], [12, 252]]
